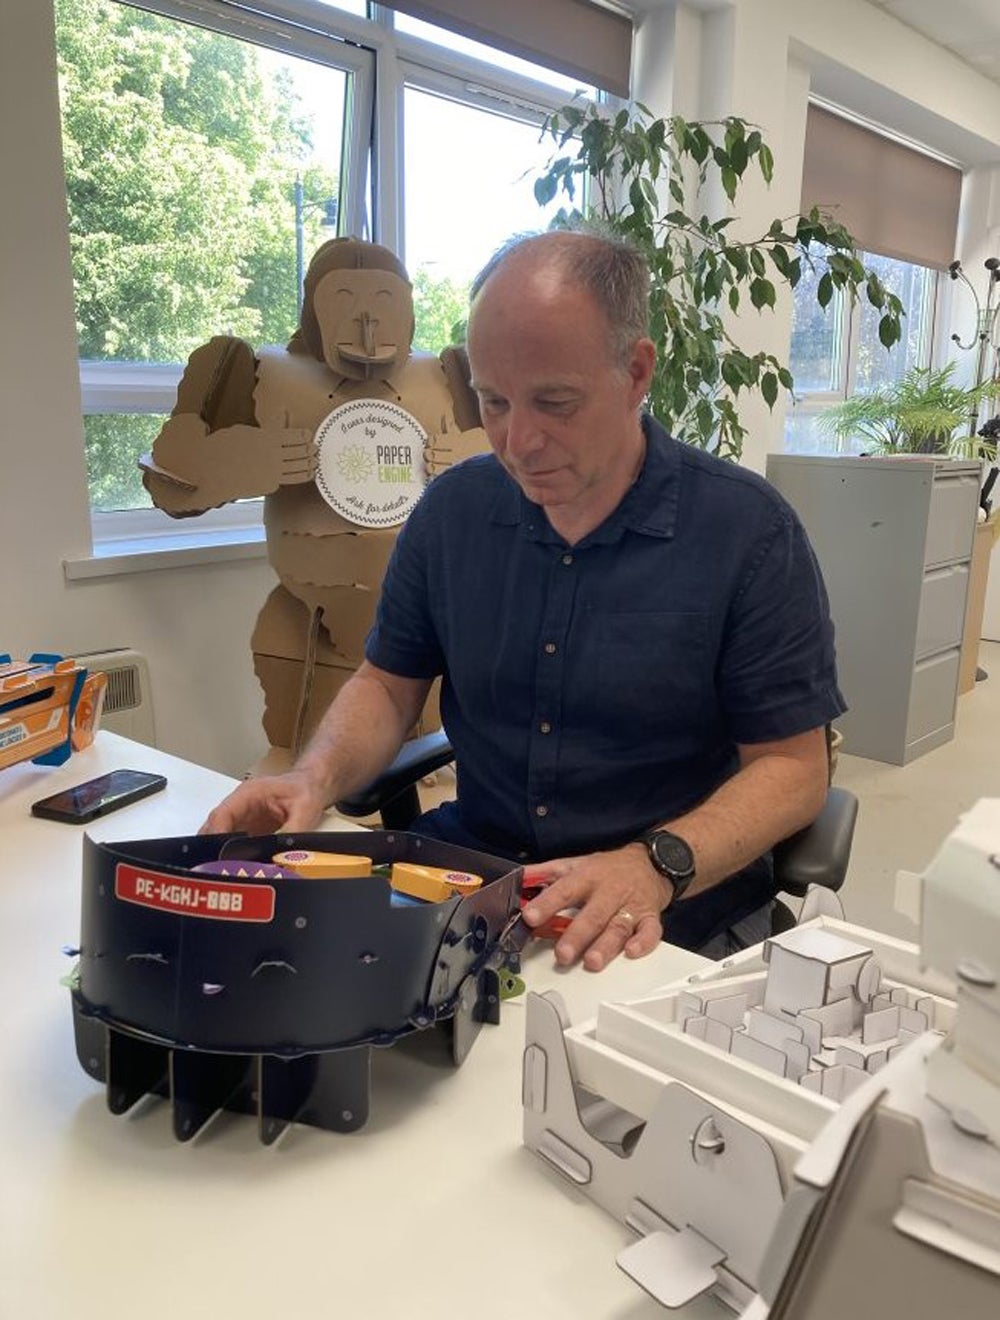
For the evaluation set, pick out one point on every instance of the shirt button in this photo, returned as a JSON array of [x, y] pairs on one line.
[[541, 811], [523, 856], [545, 727], [567, 559], [550, 648]]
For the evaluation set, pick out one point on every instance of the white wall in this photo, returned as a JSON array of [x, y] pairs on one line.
[[755, 58]]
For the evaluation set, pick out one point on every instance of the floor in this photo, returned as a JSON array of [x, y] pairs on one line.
[[906, 811]]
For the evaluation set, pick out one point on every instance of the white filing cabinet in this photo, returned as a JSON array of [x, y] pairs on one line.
[[894, 540]]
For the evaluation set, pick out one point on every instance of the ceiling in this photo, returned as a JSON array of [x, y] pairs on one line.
[[970, 28]]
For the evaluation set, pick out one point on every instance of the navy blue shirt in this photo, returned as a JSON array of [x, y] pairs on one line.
[[593, 691]]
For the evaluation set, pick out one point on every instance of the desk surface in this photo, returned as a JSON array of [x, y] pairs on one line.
[[433, 1209]]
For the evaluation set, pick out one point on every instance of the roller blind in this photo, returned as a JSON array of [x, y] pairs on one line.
[[894, 200], [575, 37]]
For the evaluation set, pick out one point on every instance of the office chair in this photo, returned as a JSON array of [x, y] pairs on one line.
[[816, 855]]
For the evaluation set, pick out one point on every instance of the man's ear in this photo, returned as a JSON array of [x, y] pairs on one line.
[[642, 362]]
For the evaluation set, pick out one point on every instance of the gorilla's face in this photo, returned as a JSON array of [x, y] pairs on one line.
[[365, 320]]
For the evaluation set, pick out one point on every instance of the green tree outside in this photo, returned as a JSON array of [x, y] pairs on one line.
[[181, 155], [439, 309]]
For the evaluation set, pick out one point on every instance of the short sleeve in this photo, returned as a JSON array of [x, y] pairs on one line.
[[777, 674], [404, 639]]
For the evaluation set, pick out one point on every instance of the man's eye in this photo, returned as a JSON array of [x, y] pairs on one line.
[[556, 405], [492, 405]]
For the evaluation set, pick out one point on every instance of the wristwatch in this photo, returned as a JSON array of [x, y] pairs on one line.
[[671, 856]]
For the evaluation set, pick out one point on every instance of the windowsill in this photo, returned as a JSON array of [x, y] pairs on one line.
[[115, 556]]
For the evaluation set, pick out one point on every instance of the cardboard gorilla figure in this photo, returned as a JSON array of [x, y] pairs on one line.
[[339, 432]]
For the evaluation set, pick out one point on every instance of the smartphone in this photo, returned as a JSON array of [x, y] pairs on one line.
[[98, 796]]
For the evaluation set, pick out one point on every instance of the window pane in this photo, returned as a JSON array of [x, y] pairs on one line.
[[819, 349], [182, 149], [914, 286], [451, 232], [201, 172], [357, 7], [815, 358], [114, 442], [478, 50]]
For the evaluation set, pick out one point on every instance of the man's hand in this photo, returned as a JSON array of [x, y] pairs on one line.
[[272, 804], [620, 897]]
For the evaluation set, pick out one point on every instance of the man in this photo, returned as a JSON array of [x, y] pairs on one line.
[[634, 637]]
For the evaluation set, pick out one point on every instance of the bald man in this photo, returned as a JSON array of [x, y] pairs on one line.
[[633, 636]]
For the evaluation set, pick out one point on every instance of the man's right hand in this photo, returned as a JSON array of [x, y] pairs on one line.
[[272, 804]]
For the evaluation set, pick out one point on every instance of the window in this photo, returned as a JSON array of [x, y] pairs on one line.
[[835, 352], [201, 166], [208, 155], [454, 222]]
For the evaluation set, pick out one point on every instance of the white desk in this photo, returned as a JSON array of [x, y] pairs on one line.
[[434, 1209]]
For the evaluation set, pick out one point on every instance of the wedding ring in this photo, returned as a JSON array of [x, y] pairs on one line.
[[625, 916]]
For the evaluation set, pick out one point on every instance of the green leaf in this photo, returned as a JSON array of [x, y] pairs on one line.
[[769, 388], [762, 293], [889, 331], [732, 374], [545, 189], [766, 163], [824, 289], [779, 255]]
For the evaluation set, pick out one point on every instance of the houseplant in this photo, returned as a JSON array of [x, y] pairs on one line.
[[640, 173], [925, 411]]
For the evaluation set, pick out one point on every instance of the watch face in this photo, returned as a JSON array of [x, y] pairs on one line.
[[672, 855]]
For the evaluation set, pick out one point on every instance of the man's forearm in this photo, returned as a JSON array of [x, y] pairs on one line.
[[362, 731], [769, 798]]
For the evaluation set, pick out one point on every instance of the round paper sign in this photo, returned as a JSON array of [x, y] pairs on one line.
[[370, 462]]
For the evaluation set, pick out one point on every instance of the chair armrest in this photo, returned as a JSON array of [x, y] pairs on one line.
[[818, 854], [416, 758]]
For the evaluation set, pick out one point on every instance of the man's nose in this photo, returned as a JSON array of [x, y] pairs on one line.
[[523, 434]]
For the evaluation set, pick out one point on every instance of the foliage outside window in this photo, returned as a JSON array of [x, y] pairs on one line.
[[182, 148]]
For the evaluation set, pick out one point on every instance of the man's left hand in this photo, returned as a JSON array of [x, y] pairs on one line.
[[619, 896]]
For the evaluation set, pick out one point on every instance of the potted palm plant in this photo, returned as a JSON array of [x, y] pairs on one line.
[[924, 412]]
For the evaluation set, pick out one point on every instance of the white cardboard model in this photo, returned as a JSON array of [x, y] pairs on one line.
[[809, 1129], [339, 432]]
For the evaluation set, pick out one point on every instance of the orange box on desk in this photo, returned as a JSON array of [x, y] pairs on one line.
[[47, 707]]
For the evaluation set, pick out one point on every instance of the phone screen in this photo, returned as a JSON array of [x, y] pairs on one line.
[[97, 797]]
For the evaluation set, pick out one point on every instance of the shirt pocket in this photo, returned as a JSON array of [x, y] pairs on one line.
[[654, 669]]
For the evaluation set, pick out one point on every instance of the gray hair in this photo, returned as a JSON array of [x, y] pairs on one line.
[[613, 272]]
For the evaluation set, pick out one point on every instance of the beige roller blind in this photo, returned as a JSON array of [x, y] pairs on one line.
[[894, 200], [575, 37]]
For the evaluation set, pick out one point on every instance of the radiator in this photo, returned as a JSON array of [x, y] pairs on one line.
[[128, 703]]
